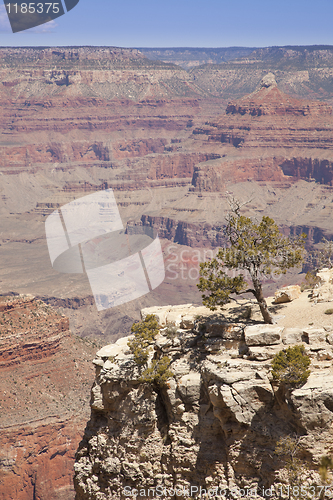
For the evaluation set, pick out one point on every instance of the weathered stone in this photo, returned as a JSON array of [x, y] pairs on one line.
[[262, 354], [183, 316], [263, 334], [160, 313], [287, 294], [161, 341], [120, 346], [314, 335], [229, 331], [189, 387], [324, 355], [323, 292], [214, 345], [98, 362], [329, 338], [215, 397], [326, 275], [293, 336], [187, 321]]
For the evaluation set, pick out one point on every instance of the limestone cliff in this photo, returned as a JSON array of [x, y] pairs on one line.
[[216, 422]]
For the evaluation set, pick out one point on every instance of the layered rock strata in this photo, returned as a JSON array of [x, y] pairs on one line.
[[216, 423], [268, 136], [45, 375]]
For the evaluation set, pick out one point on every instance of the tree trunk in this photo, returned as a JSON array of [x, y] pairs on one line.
[[263, 305]]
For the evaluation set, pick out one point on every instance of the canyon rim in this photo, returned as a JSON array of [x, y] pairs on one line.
[[170, 140]]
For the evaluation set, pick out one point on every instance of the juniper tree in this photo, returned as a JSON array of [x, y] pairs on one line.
[[255, 251]]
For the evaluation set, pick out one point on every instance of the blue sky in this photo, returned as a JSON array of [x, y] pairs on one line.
[[183, 23]]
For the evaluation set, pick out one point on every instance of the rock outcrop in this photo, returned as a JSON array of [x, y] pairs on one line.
[[216, 423], [287, 294], [269, 100], [323, 292]]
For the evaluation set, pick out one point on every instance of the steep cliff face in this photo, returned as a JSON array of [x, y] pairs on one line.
[[107, 72], [215, 424], [45, 375]]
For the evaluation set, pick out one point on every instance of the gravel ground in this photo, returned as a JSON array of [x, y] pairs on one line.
[[299, 313]]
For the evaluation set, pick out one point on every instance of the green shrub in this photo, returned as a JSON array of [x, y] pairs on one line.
[[287, 449], [144, 334], [158, 372], [290, 366], [329, 311], [171, 331]]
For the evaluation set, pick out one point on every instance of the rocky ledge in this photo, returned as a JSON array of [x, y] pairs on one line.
[[216, 422]]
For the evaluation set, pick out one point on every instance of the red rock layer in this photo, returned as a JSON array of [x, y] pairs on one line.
[[37, 459], [271, 101], [215, 177], [268, 135], [44, 398]]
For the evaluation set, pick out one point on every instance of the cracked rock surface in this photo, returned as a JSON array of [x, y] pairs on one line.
[[214, 424]]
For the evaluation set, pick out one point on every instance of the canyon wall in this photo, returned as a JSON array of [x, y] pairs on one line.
[[44, 396], [77, 120]]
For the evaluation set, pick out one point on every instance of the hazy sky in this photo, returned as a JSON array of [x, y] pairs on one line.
[[183, 23]]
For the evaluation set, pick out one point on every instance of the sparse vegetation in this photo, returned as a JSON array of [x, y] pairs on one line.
[[171, 331], [144, 334], [257, 250], [158, 372], [287, 448], [329, 311], [290, 366]]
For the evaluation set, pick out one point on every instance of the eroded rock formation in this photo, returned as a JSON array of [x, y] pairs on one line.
[[45, 375], [269, 135], [216, 423]]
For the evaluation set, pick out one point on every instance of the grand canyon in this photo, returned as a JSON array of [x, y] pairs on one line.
[[172, 133]]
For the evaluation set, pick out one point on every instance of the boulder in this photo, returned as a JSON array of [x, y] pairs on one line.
[[314, 335], [329, 338], [228, 331], [256, 335], [287, 294], [189, 387], [160, 313], [324, 291], [293, 336], [326, 275], [183, 316], [260, 354], [114, 349], [324, 355]]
